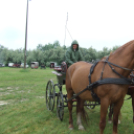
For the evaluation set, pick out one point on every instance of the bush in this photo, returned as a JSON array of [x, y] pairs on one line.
[[48, 64]]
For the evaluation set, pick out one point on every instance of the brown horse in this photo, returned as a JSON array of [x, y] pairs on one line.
[[77, 80]]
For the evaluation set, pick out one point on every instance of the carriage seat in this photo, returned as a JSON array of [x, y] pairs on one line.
[[59, 70]]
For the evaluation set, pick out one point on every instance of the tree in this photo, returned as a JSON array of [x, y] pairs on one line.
[[114, 48], [56, 44], [40, 47], [44, 54]]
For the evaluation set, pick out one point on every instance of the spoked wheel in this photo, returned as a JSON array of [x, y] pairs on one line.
[[50, 95], [90, 104], [60, 106]]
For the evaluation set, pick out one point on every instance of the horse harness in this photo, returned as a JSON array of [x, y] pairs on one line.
[[121, 81]]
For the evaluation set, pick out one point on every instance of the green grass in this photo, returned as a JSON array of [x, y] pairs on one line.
[[26, 112]]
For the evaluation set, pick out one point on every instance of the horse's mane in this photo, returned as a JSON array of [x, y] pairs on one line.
[[123, 47]]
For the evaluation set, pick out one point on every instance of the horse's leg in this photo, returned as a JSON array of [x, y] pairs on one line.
[[119, 120], [117, 107], [110, 113], [80, 109], [103, 113], [69, 95]]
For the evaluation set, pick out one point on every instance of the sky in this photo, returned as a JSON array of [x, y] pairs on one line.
[[93, 23]]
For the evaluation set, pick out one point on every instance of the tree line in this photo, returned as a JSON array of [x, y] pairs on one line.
[[44, 54]]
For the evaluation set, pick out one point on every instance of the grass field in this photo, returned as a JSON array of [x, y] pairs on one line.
[[23, 108]]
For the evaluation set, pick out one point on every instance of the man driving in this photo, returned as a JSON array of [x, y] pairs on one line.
[[73, 54]]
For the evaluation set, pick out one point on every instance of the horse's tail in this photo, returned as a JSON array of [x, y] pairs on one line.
[[80, 106], [68, 80], [85, 116]]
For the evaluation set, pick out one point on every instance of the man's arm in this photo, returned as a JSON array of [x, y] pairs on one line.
[[68, 59], [81, 58]]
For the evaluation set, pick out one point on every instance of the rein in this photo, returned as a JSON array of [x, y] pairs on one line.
[[128, 98], [91, 86], [109, 63]]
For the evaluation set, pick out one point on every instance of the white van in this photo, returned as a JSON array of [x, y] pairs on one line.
[[34, 65], [22, 65], [10, 64]]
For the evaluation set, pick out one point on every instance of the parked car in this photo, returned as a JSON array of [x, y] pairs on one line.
[[43, 66], [22, 65], [53, 64], [34, 65], [2, 65], [16, 65], [10, 64]]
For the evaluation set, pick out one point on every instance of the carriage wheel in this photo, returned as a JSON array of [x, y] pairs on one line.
[[90, 104], [60, 106], [50, 95]]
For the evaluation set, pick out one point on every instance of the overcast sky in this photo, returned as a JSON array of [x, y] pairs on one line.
[[96, 23]]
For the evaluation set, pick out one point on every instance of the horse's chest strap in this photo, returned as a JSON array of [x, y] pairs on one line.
[[117, 81]]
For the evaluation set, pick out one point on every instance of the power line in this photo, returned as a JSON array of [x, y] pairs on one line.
[[69, 33], [65, 33]]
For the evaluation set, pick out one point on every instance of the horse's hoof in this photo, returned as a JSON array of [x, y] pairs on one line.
[[119, 122], [70, 128], [110, 122], [81, 128]]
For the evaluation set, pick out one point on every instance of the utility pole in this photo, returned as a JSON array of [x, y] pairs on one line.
[[26, 35]]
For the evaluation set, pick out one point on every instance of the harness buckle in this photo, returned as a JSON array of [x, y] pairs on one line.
[[112, 68], [88, 86]]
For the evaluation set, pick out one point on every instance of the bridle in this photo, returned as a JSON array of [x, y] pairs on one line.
[[109, 63]]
